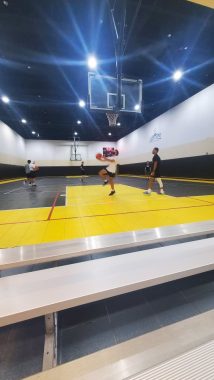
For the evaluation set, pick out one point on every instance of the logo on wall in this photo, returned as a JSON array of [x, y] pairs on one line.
[[156, 136]]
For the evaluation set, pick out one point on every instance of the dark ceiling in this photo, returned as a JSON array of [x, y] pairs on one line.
[[44, 45]]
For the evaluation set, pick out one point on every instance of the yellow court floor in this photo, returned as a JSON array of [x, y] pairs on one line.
[[90, 211]]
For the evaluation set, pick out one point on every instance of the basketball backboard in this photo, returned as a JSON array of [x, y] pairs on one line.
[[102, 91]]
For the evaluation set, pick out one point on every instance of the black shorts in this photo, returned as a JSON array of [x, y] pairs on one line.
[[110, 174], [28, 175], [32, 174]]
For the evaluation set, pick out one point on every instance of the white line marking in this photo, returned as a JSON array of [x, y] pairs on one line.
[[11, 191]]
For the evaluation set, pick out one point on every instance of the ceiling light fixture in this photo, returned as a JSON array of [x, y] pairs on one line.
[[82, 103], [79, 122], [177, 75], [24, 121], [5, 99], [137, 107], [33, 132], [92, 62]]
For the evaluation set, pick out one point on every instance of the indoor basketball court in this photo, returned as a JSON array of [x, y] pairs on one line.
[[106, 190], [69, 210]]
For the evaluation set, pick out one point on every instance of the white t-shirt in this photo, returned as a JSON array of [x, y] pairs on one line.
[[112, 167], [32, 167]]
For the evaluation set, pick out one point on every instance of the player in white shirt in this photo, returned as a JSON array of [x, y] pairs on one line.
[[109, 173]]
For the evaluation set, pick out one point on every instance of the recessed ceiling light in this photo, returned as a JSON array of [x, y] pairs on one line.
[[75, 133], [24, 121], [5, 99], [177, 75], [169, 35], [82, 103], [119, 124], [109, 133], [186, 47], [33, 132], [92, 62], [79, 122], [137, 107]]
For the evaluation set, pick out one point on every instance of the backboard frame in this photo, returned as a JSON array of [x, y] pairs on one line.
[[92, 75]]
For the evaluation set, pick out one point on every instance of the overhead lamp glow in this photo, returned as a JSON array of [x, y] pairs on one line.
[[82, 103], [5, 99], [33, 132], [79, 122], [109, 133], [24, 121], [92, 62], [137, 107], [75, 133], [118, 124], [177, 75]]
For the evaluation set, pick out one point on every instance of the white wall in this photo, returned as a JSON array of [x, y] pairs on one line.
[[12, 146], [57, 153], [184, 131]]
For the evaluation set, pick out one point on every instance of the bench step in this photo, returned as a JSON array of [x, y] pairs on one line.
[[34, 294]]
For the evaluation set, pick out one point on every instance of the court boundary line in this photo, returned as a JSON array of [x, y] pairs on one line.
[[181, 179], [103, 215]]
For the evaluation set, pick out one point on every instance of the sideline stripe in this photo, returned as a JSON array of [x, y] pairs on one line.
[[2, 182], [196, 180], [53, 205], [103, 215]]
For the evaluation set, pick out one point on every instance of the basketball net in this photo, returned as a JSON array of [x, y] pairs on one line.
[[112, 118]]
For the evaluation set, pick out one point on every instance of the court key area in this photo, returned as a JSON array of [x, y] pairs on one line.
[[63, 208]]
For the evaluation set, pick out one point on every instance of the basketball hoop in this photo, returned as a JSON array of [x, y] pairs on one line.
[[112, 118]]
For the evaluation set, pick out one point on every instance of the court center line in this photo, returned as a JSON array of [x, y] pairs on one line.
[[53, 205], [103, 215], [202, 200]]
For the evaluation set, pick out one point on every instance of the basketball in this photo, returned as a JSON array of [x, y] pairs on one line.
[[98, 155]]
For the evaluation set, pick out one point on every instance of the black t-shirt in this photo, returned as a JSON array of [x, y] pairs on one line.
[[157, 159], [82, 168]]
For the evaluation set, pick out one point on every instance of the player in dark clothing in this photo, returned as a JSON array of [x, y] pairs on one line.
[[82, 169], [155, 173]]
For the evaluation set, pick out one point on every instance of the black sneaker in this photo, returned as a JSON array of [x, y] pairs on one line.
[[105, 183], [112, 192]]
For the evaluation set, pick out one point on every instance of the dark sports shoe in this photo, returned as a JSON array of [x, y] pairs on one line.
[[112, 192], [105, 183]]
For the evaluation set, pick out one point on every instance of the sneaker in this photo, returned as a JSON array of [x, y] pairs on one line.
[[105, 183], [147, 192], [162, 192], [112, 192]]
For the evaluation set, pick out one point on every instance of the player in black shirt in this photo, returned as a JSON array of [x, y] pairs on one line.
[[82, 169], [155, 173]]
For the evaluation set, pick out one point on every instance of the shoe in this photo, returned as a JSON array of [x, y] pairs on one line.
[[162, 192], [147, 192], [112, 192], [105, 183]]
